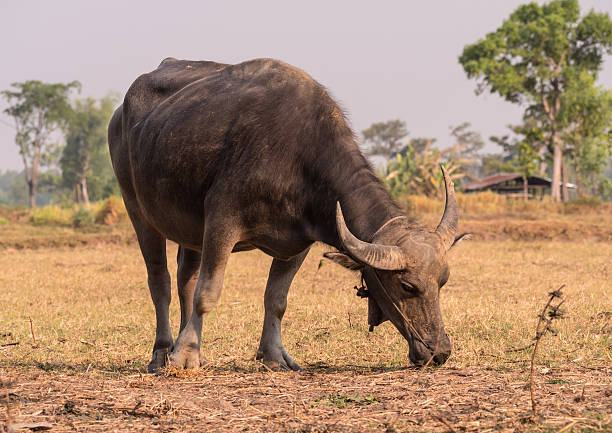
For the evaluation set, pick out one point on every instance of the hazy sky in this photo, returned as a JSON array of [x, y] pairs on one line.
[[381, 60]]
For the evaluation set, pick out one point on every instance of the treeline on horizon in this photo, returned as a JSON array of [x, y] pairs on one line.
[[63, 144], [545, 58]]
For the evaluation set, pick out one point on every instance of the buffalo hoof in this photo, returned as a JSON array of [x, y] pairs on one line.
[[159, 359], [278, 360], [187, 358]]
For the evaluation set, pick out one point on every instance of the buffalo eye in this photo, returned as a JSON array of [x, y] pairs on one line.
[[409, 287]]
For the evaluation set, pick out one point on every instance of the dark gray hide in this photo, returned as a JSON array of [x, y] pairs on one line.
[[223, 158]]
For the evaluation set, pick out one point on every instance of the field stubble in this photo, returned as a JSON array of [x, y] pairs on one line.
[[83, 325]]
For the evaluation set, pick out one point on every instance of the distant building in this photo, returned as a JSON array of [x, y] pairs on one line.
[[511, 184]]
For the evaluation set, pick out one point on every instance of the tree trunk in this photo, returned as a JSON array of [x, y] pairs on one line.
[[564, 196], [579, 184], [555, 190], [33, 181], [32, 194], [595, 185], [82, 186], [543, 163], [552, 109]]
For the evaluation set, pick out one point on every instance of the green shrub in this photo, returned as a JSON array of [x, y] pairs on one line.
[[585, 200], [582, 203], [51, 215], [3, 221], [83, 217]]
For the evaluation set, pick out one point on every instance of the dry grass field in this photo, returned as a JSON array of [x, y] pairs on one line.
[[77, 326]]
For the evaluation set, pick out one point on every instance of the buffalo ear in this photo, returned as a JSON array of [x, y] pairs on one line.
[[461, 237], [344, 260]]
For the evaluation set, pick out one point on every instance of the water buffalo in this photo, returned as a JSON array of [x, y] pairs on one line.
[[223, 158]]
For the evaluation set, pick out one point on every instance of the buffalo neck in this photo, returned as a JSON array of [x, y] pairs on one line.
[[366, 203]]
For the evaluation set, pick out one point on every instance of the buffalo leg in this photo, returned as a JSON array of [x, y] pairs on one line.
[[153, 248], [218, 243], [187, 276], [271, 349]]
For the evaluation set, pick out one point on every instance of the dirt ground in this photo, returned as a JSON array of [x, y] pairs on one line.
[[76, 328], [220, 399]]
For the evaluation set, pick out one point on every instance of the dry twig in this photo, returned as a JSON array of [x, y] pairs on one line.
[[443, 421], [549, 313], [14, 343], [32, 330]]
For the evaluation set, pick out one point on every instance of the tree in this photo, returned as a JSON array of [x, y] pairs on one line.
[[534, 58], [588, 132], [85, 156], [38, 109], [415, 168], [533, 132], [467, 145], [385, 137], [419, 144], [13, 191], [470, 142], [492, 163], [418, 172], [526, 162], [101, 180], [521, 154]]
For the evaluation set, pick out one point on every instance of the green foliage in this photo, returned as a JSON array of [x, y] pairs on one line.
[[419, 144], [537, 49], [51, 215], [492, 163], [385, 137], [13, 188], [83, 217], [588, 135], [520, 154], [343, 400], [605, 189], [101, 181], [3, 221], [108, 212], [416, 167], [585, 200], [527, 159], [38, 110], [469, 142], [545, 56], [467, 145], [85, 162], [415, 172]]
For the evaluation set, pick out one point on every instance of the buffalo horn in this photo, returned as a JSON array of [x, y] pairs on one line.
[[383, 257], [448, 225]]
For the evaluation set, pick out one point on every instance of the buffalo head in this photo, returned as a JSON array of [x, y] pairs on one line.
[[404, 268]]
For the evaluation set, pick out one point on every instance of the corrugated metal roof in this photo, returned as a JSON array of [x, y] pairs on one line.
[[503, 177], [491, 180]]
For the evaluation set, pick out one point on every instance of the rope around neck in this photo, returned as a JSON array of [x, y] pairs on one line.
[[411, 327]]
